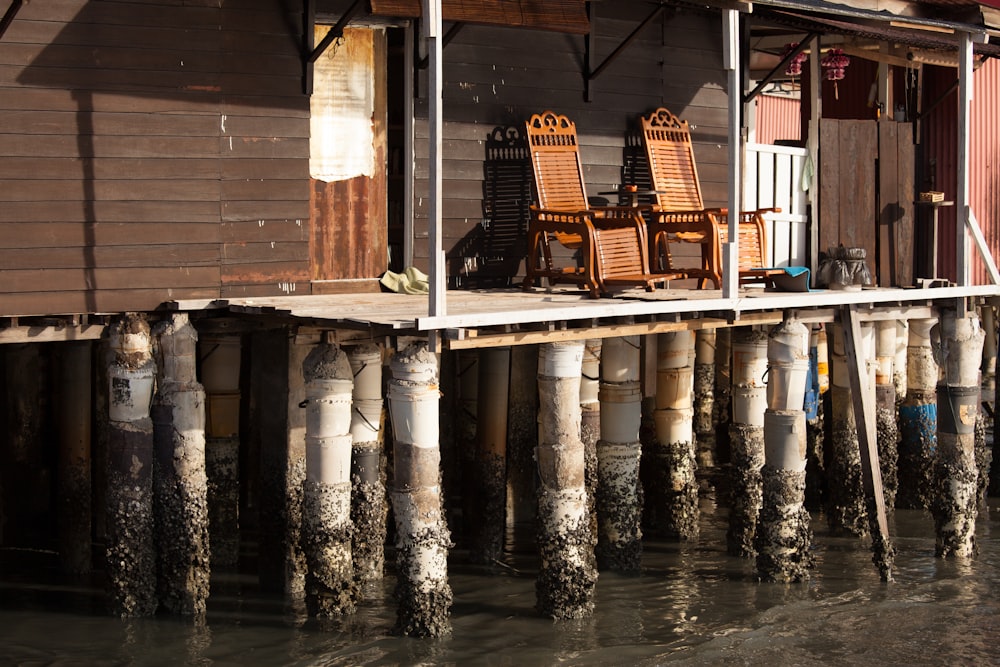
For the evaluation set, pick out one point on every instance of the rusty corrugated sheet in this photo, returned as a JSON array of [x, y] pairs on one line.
[[940, 160], [778, 118]]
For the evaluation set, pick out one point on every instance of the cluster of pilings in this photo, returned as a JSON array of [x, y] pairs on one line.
[[188, 444]]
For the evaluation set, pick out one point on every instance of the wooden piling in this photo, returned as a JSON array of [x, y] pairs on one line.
[[488, 524], [74, 405]]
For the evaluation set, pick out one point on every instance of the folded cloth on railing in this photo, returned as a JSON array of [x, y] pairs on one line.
[[791, 279], [411, 281]]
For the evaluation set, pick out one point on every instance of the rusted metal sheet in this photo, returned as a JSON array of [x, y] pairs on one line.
[[778, 118], [939, 162]]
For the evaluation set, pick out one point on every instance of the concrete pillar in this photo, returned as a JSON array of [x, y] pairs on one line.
[[490, 471], [74, 378], [369, 503], [918, 418], [180, 483], [845, 506], [220, 357], [746, 437], [131, 554], [422, 537], [721, 405], [522, 441], [887, 429], [956, 505], [590, 420], [674, 458], [704, 398], [278, 391], [25, 475], [619, 510], [783, 536], [567, 576], [326, 499]]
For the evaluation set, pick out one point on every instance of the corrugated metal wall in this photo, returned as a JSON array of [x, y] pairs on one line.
[[778, 118], [939, 160]]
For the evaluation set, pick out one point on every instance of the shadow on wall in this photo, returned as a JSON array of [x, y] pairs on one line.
[[492, 254]]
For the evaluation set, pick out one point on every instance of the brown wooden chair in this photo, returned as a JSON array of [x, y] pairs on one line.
[[680, 216], [611, 240]]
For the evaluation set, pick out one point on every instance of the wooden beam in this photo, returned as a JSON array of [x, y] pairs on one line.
[[50, 334], [863, 398]]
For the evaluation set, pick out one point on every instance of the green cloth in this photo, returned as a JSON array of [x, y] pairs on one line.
[[410, 281]]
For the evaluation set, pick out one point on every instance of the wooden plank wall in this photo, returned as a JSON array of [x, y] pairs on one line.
[[150, 151], [848, 150], [896, 209], [497, 77]]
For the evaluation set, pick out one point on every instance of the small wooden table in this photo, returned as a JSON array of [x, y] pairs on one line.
[[632, 196]]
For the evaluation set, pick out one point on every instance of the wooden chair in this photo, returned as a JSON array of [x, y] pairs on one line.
[[680, 216], [611, 240]]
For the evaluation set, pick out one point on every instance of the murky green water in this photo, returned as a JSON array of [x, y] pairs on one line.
[[693, 604]]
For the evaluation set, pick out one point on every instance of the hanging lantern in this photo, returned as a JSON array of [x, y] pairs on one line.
[[794, 67], [834, 63]]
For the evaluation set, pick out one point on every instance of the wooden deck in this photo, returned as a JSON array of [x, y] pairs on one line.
[[483, 318]]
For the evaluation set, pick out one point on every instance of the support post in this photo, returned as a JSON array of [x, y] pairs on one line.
[[956, 505], [964, 122], [567, 576], [74, 479], [704, 397], [131, 553], [674, 460], [783, 536], [862, 392], [326, 498], [723, 393], [220, 356], [734, 153], [369, 503], [918, 417], [435, 85], [746, 435], [488, 522], [180, 483], [619, 512], [845, 507], [422, 537], [590, 421], [885, 409], [278, 393]]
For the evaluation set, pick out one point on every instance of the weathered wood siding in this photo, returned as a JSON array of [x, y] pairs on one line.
[[848, 153], [150, 151], [497, 77]]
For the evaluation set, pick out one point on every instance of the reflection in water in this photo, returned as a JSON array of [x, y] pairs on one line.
[[692, 604]]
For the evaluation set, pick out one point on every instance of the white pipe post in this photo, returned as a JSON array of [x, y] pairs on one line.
[[965, 85], [918, 417], [746, 438], [734, 152], [435, 86]]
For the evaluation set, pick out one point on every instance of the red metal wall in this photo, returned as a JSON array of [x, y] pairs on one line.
[[939, 160], [778, 118]]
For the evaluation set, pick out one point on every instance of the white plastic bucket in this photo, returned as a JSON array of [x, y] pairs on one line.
[[789, 341], [620, 359], [786, 385], [560, 360], [328, 407], [675, 349], [621, 412], [366, 417], [366, 367], [590, 372], [674, 426], [749, 363], [131, 392], [785, 439], [422, 368], [328, 460], [675, 388], [413, 410], [749, 403]]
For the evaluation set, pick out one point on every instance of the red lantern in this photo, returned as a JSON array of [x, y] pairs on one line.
[[794, 67], [834, 63]]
